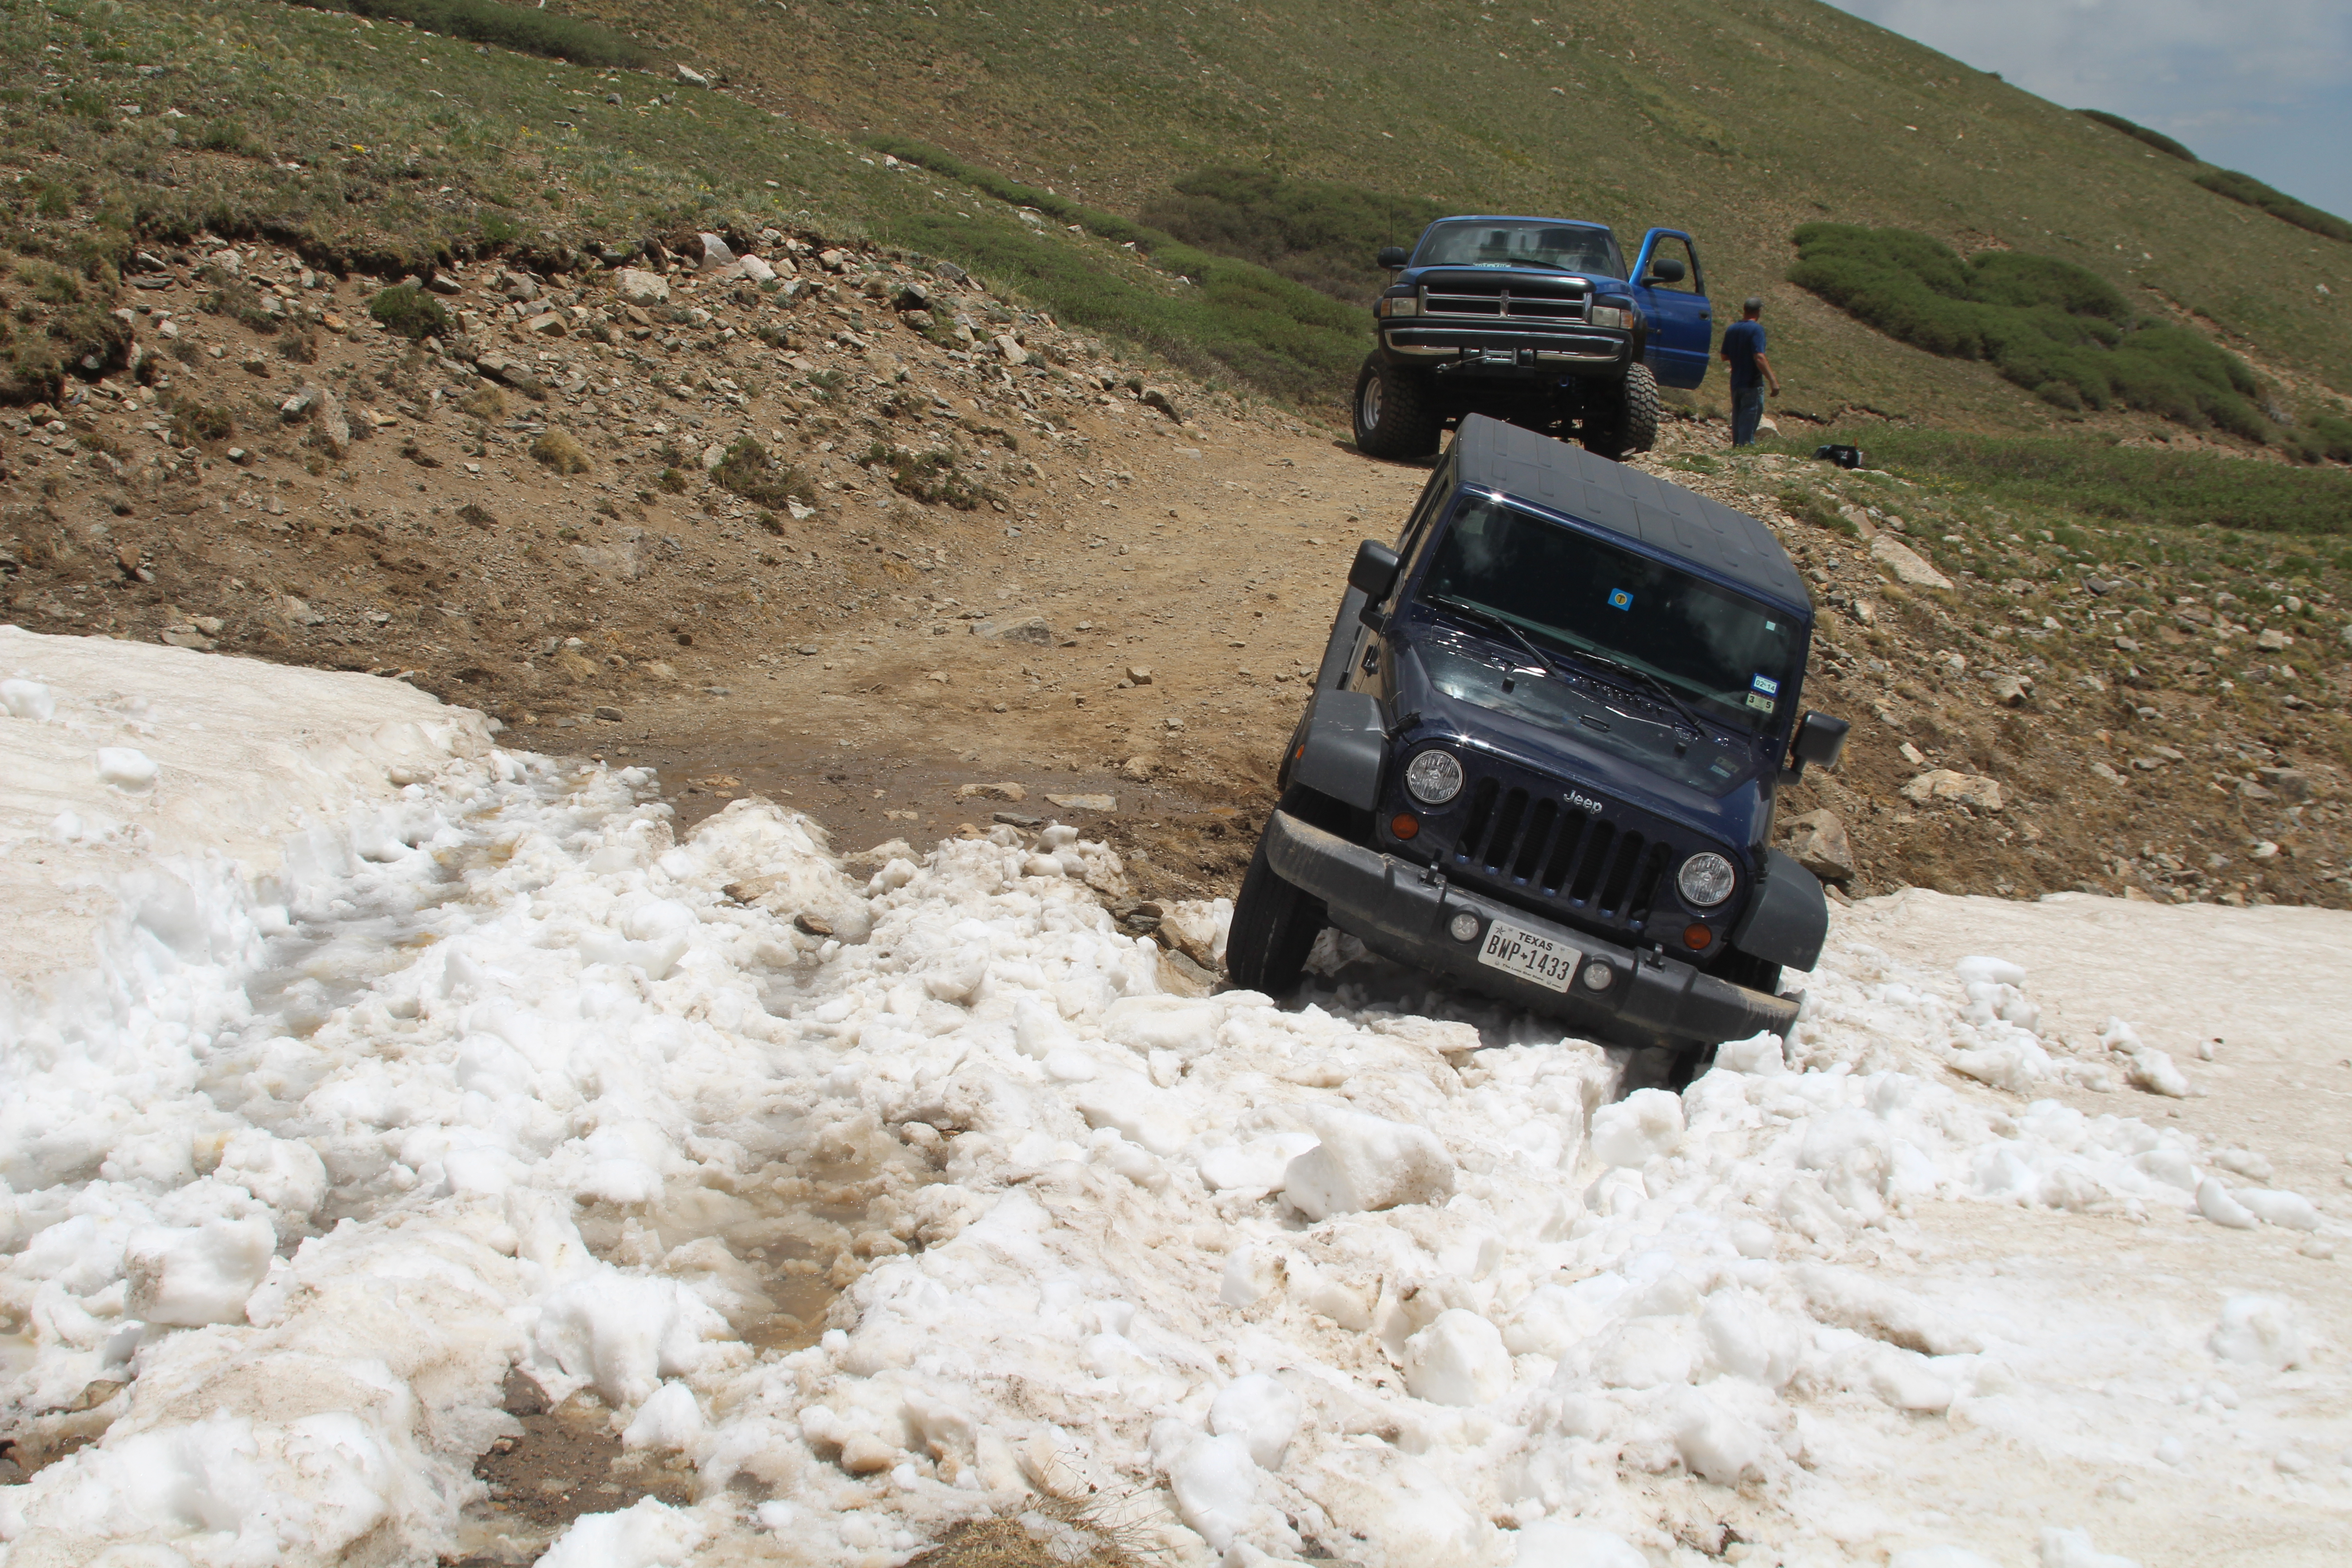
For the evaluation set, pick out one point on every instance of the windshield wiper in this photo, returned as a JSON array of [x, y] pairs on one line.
[[1656, 685], [1489, 618]]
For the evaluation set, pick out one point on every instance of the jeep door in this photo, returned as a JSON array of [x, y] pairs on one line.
[[1672, 293]]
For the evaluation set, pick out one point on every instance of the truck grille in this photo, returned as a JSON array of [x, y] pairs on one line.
[[1591, 869], [1531, 301]]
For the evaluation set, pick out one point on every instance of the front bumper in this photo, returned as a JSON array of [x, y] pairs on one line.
[[1476, 349], [1402, 912]]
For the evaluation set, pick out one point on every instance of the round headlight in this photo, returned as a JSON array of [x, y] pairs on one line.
[[1434, 777], [1706, 879]]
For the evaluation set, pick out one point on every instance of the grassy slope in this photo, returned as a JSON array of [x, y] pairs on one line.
[[1738, 118]]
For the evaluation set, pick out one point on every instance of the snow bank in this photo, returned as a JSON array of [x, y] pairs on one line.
[[498, 1074]]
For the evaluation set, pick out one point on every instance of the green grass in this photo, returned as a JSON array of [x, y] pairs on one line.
[[1322, 233], [1212, 314], [2156, 139], [1737, 120], [2098, 481], [529, 29], [2058, 330], [2278, 204]]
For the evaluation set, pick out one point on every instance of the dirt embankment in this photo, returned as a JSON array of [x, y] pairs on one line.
[[974, 563]]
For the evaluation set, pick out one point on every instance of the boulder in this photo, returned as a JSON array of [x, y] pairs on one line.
[[716, 254], [688, 75], [1908, 563], [1818, 842], [1949, 784], [1010, 348], [641, 288], [1031, 629]]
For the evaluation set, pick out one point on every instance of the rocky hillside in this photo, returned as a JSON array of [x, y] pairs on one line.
[[823, 520]]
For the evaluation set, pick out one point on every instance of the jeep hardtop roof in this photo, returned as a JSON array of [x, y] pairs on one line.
[[1666, 518]]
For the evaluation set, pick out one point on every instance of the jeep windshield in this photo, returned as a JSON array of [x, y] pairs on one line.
[[1521, 242], [1603, 614]]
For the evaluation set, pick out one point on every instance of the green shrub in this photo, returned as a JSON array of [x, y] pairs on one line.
[[2278, 204], [193, 421], [556, 450], [2103, 482], [748, 471], [1318, 233], [530, 31], [409, 311], [2156, 139], [928, 476], [2058, 330]]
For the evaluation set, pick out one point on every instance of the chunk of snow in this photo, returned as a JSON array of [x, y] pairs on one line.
[[2073, 1549], [1259, 1410], [670, 1419], [1215, 1482], [2259, 1331], [28, 699], [1366, 1162], [198, 1273], [1556, 1543], [126, 768], [647, 1535], [1458, 1359], [1637, 1128], [2216, 1202]]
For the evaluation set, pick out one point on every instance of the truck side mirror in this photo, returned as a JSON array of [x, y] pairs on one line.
[[1819, 739], [1665, 269], [1374, 575], [1394, 256]]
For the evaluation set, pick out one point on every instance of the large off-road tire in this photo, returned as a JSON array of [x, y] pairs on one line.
[[1627, 423], [1394, 414], [1274, 924]]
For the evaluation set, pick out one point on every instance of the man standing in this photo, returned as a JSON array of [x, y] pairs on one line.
[[1743, 350]]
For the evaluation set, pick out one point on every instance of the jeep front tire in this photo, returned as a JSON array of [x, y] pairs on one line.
[[1393, 415]]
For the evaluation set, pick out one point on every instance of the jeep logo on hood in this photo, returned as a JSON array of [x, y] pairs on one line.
[[1582, 803]]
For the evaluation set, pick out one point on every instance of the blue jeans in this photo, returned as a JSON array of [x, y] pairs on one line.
[[1746, 412]]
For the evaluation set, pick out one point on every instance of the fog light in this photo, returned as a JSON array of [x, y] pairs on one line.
[[1405, 824], [1464, 927], [1598, 977], [1696, 938]]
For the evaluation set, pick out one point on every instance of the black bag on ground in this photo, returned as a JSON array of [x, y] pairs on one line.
[[1843, 456]]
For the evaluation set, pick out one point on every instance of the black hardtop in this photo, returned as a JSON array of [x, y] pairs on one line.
[[1662, 517]]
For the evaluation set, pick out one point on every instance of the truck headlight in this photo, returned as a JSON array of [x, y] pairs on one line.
[[1401, 305], [1434, 777], [1609, 316], [1706, 879]]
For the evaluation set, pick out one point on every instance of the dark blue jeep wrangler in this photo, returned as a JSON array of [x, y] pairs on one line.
[[1542, 752], [1535, 320]]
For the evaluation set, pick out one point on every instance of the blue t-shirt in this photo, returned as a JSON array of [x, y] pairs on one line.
[[1742, 341]]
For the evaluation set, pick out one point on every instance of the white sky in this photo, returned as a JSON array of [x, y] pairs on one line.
[[2261, 85]]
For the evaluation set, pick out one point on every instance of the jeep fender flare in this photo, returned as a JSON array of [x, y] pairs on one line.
[[1788, 918], [1344, 744]]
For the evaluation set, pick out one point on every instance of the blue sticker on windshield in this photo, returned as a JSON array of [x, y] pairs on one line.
[[1621, 599], [1767, 685]]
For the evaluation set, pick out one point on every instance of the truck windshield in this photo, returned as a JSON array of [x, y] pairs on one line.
[[1725, 656], [1521, 242]]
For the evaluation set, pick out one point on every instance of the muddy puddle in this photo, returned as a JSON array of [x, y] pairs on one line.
[[772, 1252]]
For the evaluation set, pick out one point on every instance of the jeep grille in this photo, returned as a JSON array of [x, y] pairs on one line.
[[1530, 299], [1591, 869]]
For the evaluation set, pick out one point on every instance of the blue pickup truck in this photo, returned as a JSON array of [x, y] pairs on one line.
[[1542, 752], [1535, 320]]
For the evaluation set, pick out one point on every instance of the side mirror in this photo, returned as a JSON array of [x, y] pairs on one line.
[[1373, 574], [1394, 256], [1819, 739], [1665, 269]]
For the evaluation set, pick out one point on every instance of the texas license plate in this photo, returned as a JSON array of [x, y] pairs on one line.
[[1549, 964]]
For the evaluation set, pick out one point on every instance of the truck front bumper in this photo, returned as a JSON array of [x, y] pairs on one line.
[[1474, 352], [1405, 912]]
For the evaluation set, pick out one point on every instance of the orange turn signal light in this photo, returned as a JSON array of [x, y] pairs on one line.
[[1697, 937], [1405, 824]]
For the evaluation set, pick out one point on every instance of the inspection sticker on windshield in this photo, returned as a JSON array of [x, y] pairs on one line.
[[1550, 964], [1767, 685], [1761, 703], [1620, 599]]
